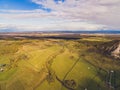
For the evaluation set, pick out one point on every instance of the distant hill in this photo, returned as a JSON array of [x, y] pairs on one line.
[[64, 31], [112, 48], [92, 32], [7, 30]]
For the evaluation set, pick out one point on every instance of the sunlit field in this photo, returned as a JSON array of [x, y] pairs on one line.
[[57, 64]]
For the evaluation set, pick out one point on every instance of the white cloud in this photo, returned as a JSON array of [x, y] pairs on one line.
[[66, 25], [68, 15], [106, 12]]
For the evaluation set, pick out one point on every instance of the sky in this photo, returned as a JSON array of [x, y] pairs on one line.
[[42, 15]]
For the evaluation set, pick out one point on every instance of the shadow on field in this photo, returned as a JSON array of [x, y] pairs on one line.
[[32, 36], [51, 37], [116, 80], [90, 84]]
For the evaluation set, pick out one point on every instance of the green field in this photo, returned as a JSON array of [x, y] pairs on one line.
[[57, 64]]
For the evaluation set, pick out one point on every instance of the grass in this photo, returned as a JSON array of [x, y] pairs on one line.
[[7, 74], [34, 60], [99, 39]]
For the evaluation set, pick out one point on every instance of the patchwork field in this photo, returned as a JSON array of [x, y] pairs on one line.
[[57, 64]]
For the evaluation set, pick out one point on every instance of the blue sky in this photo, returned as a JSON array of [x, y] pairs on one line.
[[17, 5], [38, 15]]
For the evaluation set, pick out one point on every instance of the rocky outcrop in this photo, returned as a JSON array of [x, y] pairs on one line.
[[111, 48]]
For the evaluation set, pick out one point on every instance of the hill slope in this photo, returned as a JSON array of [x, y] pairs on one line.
[[112, 48]]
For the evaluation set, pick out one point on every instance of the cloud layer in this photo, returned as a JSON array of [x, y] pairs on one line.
[[106, 12], [65, 15]]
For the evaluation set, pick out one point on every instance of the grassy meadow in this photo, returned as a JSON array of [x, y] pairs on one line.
[[57, 64]]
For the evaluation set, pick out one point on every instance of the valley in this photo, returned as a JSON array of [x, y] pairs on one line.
[[58, 62]]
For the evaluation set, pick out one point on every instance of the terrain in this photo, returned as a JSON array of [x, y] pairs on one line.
[[112, 48], [55, 61]]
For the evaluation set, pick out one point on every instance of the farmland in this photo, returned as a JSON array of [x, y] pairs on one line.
[[57, 63]]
